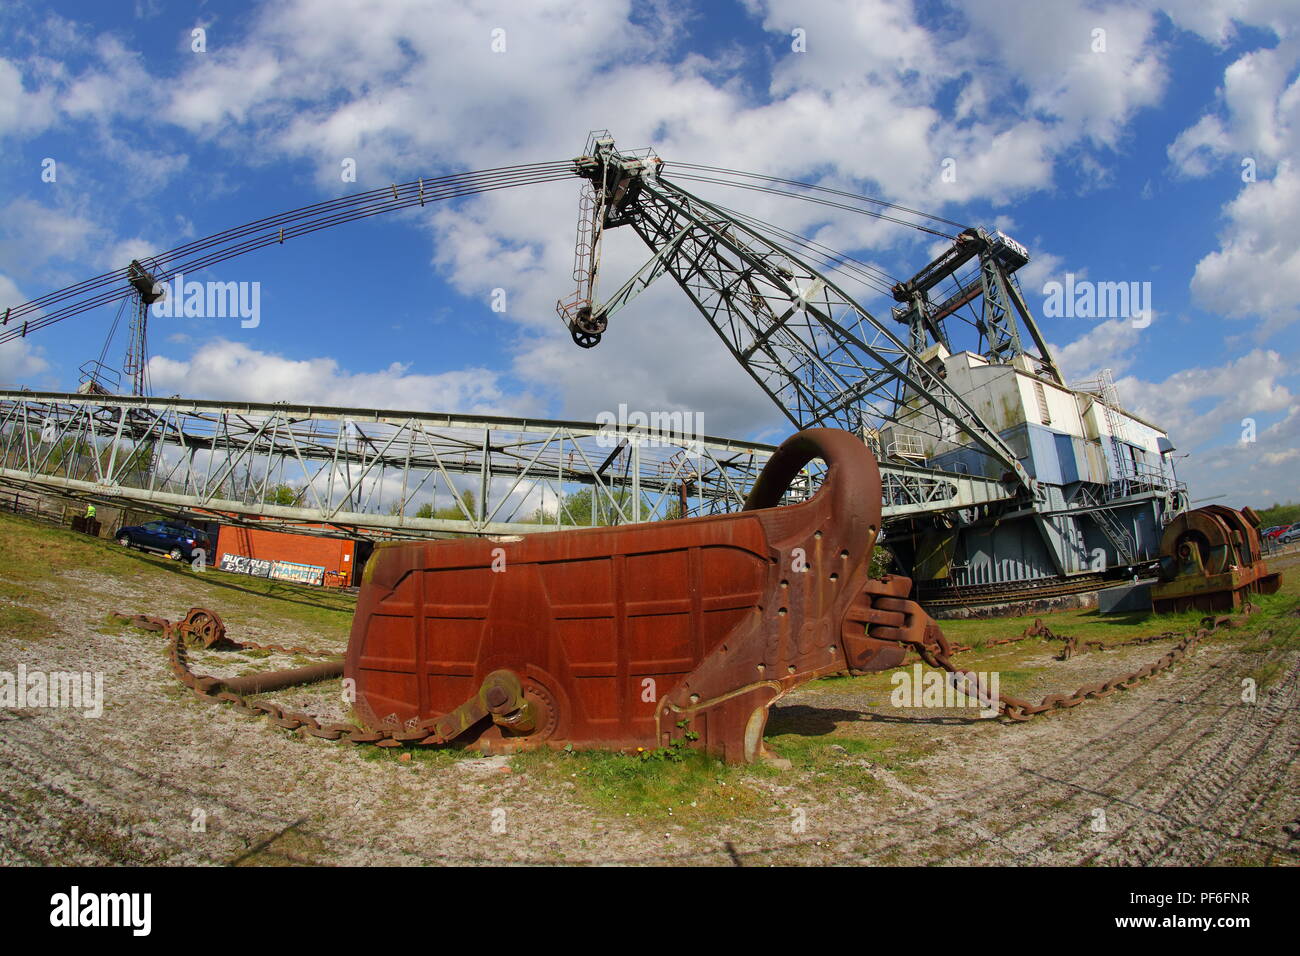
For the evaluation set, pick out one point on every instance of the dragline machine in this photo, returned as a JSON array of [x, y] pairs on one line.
[[997, 475], [1000, 478]]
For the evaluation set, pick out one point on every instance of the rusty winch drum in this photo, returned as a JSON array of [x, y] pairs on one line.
[[1211, 559], [634, 636]]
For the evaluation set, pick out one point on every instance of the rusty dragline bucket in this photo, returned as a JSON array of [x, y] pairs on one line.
[[637, 636], [1211, 560]]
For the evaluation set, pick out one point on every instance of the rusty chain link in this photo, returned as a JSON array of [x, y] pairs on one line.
[[201, 624], [894, 618], [904, 621]]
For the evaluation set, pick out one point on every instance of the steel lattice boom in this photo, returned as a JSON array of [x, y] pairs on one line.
[[1066, 455], [821, 357]]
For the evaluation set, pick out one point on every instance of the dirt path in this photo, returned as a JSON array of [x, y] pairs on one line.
[[1176, 771]]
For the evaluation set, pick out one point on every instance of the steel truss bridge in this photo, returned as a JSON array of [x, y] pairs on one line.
[[366, 472]]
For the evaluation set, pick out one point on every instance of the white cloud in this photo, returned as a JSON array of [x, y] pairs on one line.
[[21, 361], [370, 81], [34, 233], [1280, 457], [1112, 344], [1051, 51], [1256, 270], [111, 100], [232, 370], [125, 250], [1259, 104], [21, 112], [1204, 410], [50, 244], [1044, 267], [1196, 404], [1218, 20], [1258, 473], [1198, 148], [325, 81], [409, 87]]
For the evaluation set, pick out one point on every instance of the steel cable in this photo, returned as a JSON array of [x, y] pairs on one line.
[[826, 189], [791, 194], [199, 254], [295, 223]]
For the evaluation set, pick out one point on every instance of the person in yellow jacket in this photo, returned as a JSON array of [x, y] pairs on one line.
[[90, 511]]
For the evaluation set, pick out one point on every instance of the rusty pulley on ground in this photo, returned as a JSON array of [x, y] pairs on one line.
[[1211, 560], [636, 636]]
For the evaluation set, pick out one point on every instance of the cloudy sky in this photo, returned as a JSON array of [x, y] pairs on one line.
[[1120, 142]]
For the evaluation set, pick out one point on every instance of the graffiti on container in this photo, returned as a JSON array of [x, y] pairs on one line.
[[298, 573], [278, 570], [243, 565]]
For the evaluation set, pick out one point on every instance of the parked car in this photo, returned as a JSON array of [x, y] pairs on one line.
[[172, 538], [1289, 533], [1275, 531]]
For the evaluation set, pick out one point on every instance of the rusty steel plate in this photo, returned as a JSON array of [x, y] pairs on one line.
[[635, 636]]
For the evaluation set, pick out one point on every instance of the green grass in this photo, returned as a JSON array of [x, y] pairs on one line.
[[34, 556], [1273, 627], [1087, 624], [113, 627], [33, 551], [24, 624], [695, 790], [1023, 664], [700, 791], [1084, 623], [12, 590], [843, 757], [1266, 673], [1282, 637]]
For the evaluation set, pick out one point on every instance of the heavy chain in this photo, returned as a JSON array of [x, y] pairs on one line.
[[200, 625], [895, 618], [1069, 643], [1039, 629]]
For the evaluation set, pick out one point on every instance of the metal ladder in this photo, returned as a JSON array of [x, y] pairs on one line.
[[1115, 425], [1120, 539]]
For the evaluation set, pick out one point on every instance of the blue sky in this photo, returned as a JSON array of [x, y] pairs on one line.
[[1119, 164]]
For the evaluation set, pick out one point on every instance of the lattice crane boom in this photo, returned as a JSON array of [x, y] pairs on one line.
[[821, 357]]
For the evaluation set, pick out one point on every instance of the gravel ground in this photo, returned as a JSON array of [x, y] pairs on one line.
[[1176, 771]]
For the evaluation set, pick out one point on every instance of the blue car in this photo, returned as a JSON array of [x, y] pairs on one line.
[[172, 538]]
